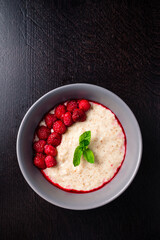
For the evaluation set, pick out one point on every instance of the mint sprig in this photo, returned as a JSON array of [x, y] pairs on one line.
[[84, 141]]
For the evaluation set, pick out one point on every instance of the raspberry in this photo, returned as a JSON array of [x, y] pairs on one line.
[[83, 118], [39, 146], [59, 127], [54, 139], [84, 105], [60, 111], [43, 132], [71, 105], [67, 119], [39, 161], [50, 161], [78, 115], [50, 119], [50, 150]]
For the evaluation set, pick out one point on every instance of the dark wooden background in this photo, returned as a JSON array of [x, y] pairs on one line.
[[46, 44]]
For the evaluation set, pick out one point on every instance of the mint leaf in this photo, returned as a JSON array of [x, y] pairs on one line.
[[84, 144], [88, 155], [85, 138], [77, 156], [84, 141]]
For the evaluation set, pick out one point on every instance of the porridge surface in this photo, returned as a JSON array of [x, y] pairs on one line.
[[107, 144]]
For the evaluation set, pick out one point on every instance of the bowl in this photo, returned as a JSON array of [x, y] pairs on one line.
[[55, 195]]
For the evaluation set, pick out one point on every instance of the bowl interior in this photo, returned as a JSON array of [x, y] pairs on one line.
[[71, 200]]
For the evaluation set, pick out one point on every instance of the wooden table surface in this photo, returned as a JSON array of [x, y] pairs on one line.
[[47, 44]]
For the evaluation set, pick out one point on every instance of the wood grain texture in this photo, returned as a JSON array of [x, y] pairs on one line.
[[46, 44]]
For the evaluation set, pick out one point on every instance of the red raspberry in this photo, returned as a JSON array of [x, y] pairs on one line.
[[50, 119], [39, 146], [50, 161], [78, 115], [67, 119], [43, 132], [54, 139], [60, 111], [50, 150], [83, 118], [59, 127], [71, 105], [39, 161], [84, 105]]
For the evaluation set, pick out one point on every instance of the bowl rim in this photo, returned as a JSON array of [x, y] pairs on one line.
[[43, 195]]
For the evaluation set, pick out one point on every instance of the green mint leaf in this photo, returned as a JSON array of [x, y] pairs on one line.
[[85, 138], [88, 155], [77, 156], [84, 143]]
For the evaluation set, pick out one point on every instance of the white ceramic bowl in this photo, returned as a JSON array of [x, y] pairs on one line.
[[55, 195]]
